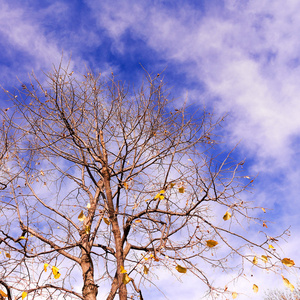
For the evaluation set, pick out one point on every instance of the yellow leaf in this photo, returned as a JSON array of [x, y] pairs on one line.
[[123, 270], [227, 216], [106, 221], [7, 255], [234, 295], [24, 295], [138, 221], [181, 269], [255, 260], [271, 246], [125, 184], [126, 278], [56, 276], [264, 258], [265, 225], [146, 270], [45, 267], [55, 270], [211, 243], [160, 196], [81, 216], [3, 294], [88, 206], [288, 284], [42, 173], [263, 210], [87, 229], [255, 288], [23, 238], [181, 190], [190, 159], [288, 262]]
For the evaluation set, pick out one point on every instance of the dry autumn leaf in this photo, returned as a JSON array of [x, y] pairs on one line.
[[87, 229], [106, 221], [3, 294], [123, 270], [255, 288], [181, 190], [227, 216], [160, 196], [146, 270], [255, 260], [125, 184], [7, 255], [81, 216], [265, 225], [45, 267], [288, 262], [181, 269], [211, 243], [288, 284], [264, 258], [55, 272], [126, 278]]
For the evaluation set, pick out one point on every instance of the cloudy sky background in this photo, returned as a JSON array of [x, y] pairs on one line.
[[236, 57]]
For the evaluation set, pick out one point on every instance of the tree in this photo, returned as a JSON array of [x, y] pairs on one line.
[[113, 184], [283, 295]]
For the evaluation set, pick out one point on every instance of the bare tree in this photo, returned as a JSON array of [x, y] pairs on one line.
[[283, 294], [111, 184]]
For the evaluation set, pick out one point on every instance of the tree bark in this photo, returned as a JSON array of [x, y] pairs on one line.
[[90, 289], [117, 237]]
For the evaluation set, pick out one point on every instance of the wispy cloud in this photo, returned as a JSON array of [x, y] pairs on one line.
[[237, 57], [246, 55]]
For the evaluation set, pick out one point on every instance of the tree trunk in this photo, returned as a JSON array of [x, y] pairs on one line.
[[117, 237], [90, 289]]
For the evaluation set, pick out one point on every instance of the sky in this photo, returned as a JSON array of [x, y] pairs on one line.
[[240, 58]]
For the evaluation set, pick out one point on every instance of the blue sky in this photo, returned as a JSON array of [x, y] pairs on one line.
[[235, 57]]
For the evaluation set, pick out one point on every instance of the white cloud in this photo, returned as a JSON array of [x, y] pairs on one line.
[[247, 57], [23, 34]]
